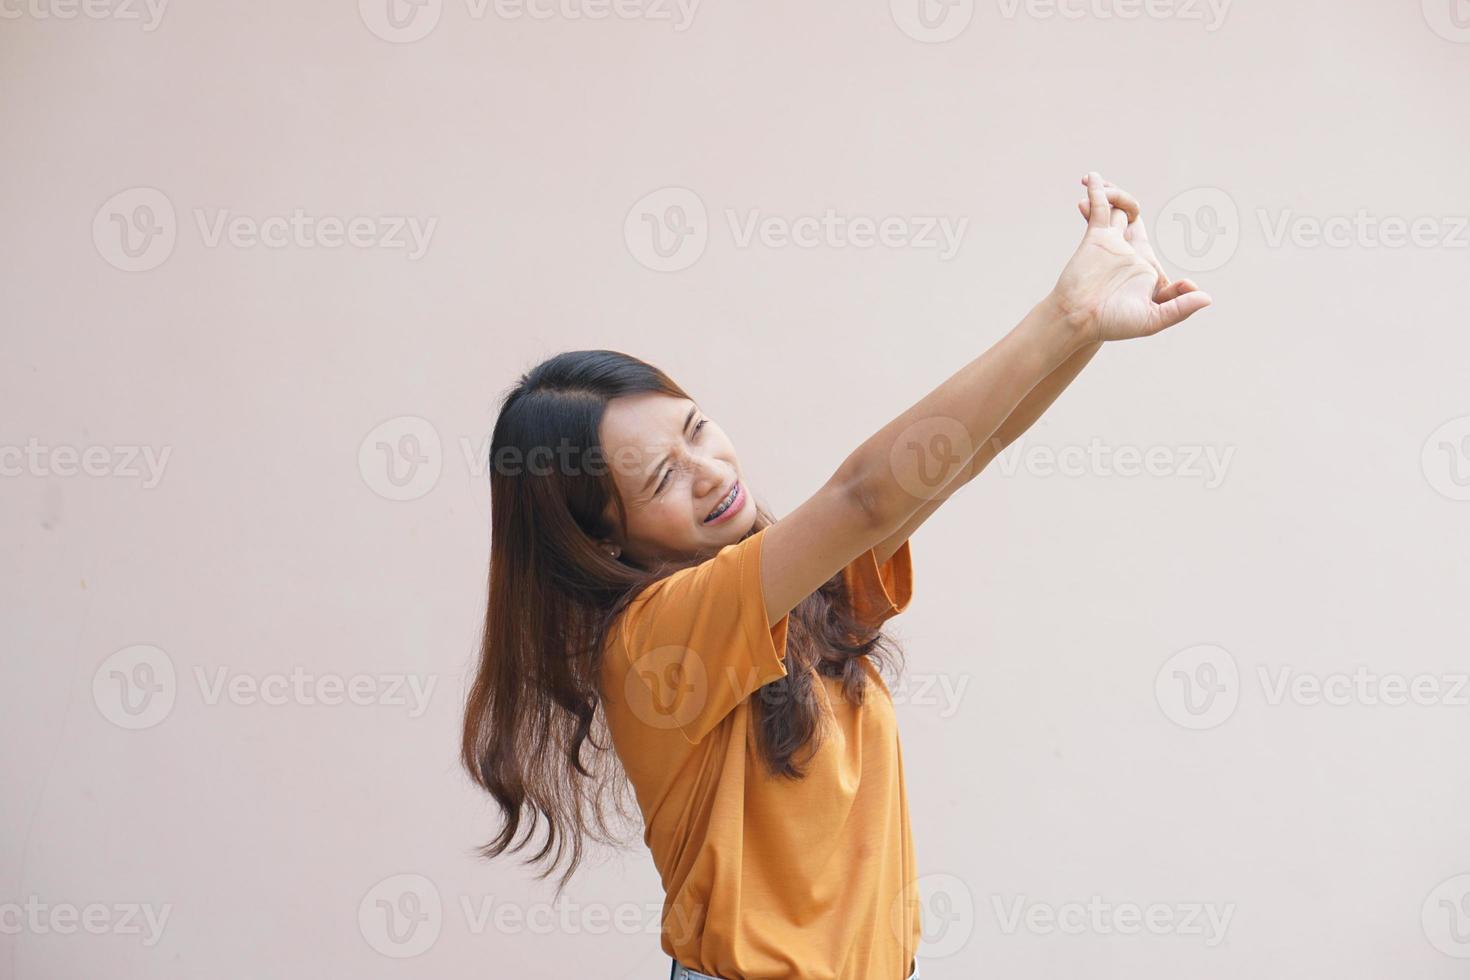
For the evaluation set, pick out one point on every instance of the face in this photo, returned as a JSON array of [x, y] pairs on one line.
[[673, 467]]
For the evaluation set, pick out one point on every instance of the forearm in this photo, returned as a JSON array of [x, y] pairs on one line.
[[1031, 408], [911, 460]]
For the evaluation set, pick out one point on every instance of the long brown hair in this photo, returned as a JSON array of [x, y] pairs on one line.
[[533, 736]]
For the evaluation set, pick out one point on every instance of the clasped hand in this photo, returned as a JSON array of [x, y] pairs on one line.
[[1113, 287]]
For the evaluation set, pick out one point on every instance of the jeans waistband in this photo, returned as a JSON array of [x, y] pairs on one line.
[[678, 972]]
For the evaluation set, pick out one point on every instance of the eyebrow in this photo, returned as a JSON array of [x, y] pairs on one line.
[[659, 468]]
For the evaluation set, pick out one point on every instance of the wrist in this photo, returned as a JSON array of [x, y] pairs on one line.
[[1071, 327]]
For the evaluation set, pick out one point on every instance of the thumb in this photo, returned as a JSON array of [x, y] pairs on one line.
[[1179, 308]]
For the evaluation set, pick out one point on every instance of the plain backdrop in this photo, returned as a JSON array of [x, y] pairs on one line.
[[1110, 732]]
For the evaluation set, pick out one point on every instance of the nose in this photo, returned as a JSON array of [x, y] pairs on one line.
[[709, 476]]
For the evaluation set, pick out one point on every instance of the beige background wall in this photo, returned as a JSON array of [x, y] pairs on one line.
[[219, 595]]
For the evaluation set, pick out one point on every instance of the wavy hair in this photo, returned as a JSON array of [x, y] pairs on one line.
[[534, 738]]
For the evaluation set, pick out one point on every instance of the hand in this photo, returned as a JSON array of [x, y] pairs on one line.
[[1113, 288]]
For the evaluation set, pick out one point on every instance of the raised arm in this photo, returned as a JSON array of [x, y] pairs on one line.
[[1107, 291], [1040, 398]]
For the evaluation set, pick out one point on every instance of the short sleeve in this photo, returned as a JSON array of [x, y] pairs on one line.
[[698, 642], [879, 592]]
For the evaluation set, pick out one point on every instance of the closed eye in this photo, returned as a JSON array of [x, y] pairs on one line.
[[669, 472]]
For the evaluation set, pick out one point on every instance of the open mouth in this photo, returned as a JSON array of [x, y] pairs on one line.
[[728, 505]]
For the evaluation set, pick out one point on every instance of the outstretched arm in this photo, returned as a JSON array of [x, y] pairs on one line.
[[1040, 398], [1107, 291], [1036, 402]]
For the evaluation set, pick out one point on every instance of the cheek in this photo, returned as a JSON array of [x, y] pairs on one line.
[[665, 518]]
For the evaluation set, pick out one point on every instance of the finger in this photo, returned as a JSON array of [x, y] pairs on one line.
[[1173, 290], [1118, 199], [1099, 211], [1121, 199], [1118, 219], [1179, 309]]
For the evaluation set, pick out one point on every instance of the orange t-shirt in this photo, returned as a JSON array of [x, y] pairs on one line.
[[765, 878]]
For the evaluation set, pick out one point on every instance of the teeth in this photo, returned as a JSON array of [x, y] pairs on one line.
[[724, 505]]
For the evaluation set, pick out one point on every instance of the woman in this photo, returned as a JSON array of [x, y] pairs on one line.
[[640, 600]]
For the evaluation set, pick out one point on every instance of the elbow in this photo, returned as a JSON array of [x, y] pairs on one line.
[[873, 501]]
